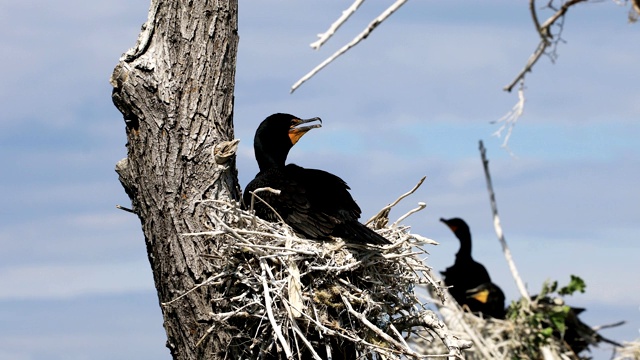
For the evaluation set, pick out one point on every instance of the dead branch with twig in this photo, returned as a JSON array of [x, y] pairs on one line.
[[549, 40], [547, 37], [498, 228], [346, 14], [363, 35]]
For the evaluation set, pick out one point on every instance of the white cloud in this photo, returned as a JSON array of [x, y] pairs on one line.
[[71, 238], [57, 281]]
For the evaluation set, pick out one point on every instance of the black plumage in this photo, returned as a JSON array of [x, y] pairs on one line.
[[315, 203], [472, 286], [465, 274], [489, 300], [577, 335]]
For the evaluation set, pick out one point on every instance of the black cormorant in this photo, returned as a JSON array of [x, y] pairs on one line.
[[465, 274], [472, 286], [315, 203], [577, 335]]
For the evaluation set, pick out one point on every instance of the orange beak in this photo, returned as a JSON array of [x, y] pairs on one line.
[[296, 131]]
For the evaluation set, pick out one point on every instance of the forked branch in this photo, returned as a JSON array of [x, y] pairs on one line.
[[546, 37], [384, 212]]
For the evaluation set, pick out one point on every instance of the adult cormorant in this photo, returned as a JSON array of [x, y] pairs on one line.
[[465, 274], [472, 286], [315, 203]]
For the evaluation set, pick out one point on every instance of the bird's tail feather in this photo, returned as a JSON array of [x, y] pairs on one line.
[[359, 233]]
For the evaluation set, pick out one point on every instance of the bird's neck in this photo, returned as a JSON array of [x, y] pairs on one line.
[[465, 245], [270, 158]]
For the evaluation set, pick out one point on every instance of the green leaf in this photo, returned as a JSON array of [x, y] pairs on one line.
[[576, 284], [547, 288], [546, 332], [558, 316]]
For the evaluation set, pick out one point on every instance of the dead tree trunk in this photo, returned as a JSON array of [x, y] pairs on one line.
[[175, 91]]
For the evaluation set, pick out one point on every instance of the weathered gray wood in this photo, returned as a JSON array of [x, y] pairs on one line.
[[175, 91]]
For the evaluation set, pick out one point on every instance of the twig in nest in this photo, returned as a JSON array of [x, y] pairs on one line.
[[388, 207], [630, 350], [224, 317], [421, 206], [209, 281], [372, 327], [254, 195], [267, 303], [303, 338], [227, 228]]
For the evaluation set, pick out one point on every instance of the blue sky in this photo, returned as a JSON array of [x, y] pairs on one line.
[[411, 100]]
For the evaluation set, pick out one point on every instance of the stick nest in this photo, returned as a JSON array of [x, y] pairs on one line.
[[629, 351], [513, 338], [284, 297]]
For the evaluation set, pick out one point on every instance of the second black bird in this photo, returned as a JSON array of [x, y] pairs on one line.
[[466, 275], [315, 203]]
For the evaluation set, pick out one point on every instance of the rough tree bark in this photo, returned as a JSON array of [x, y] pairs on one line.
[[175, 91]]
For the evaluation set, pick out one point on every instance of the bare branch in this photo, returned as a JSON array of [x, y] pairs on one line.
[[125, 209], [498, 227], [542, 46], [546, 37], [608, 326], [363, 35], [560, 13], [336, 25], [534, 14]]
